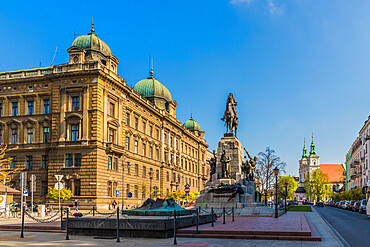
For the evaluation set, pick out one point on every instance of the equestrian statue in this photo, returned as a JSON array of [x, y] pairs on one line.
[[230, 115]]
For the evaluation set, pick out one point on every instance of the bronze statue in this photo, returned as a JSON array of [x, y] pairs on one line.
[[212, 164], [251, 164], [225, 160], [230, 115]]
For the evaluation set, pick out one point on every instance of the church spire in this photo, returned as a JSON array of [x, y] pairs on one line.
[[312, 151], [304, 155]]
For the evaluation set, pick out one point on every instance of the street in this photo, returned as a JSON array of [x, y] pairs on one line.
[[354, 227]]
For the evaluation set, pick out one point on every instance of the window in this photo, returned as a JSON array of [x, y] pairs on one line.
[[14, 136], [75, 103], [111, 109], [115, 163], [168, 177], [136, 191], [109, 188], [45, 161], [136, 123], [74, 132], [143, 192], [77, 187], [1, 136], [151, 152], [144, 171], [151, 131], [128, 143], [111, 136], [144, 127], [77, 160], [127, 118], [1, 109], [46, 134], [135, 148], [171, 141], [13, 163], [127, 189], [165, 138], [46, 106], [29, 135], [157, 154], [157, 134], [144, 149], [109, 162], [44, 188], [136, 170], [128, 167], [30, 107], [15, 109], [29, 161], [157, 174], [69, 160]]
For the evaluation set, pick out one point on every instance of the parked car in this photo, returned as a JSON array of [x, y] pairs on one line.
[[334, 203], [356, 206], [347, 205], [362, 208], [328, 203], [319, 204], [351, 205], [341, 204], [337, 204]]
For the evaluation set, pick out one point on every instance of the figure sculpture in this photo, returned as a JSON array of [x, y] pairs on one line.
[[251, 164], [212, 164], [230, 115], [225, 160]]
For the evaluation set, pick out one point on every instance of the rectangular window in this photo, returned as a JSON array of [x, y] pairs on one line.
[[115, 163], [46, 134], [111, 109], [74, 132], [127, 118], [109, 162], [136, 192], [157, 174], [69, 160], [144, 149], [30, 107], [157, 154], [46, 106], [77, 187], [14, 136], [13, 162], [15, 109], [45, 161], [127, 189], [151, 152], [109, 188], [144, 127], [136, 123], [111, 136], [157, 134], [128, 167], [29, 135], [135, 150], [151, 131], [1, 109], [75, 103], [136, 170], [77, 160], [128, 143], [168, 177], [143, 192], [144, 171], [1, 136], [29, 161], [44, 188]]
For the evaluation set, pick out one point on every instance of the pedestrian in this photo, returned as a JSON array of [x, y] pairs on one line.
[[114, 203], [76, 205]]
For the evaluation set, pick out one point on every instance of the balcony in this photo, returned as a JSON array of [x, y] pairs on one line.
[[114, 148]]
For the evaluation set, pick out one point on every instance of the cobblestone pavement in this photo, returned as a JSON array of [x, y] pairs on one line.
[[11, 238]]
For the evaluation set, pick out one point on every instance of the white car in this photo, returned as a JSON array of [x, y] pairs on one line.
[[368, 208]]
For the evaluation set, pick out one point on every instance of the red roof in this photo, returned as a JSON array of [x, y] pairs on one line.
[[335, 172]]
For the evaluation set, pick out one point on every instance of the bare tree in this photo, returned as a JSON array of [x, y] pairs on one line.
[[266, 163]]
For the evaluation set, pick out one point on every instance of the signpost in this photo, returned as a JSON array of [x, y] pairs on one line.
[[117, 194], [59, 186], [33, 188], [23, 186], [129, 195], [155, 194], [187, 190]]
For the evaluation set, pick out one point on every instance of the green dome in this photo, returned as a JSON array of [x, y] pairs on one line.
[[152, 88], [92, 42], [192, 125]]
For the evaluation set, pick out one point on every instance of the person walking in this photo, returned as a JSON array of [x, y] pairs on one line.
[[114, 203], [76, 205]]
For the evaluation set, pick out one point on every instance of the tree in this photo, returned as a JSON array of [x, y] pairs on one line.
[[266, 163], [317, 185], [292, 186], [181, 195], [6, 173], [53, 194]]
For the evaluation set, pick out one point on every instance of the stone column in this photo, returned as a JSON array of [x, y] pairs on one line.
[[85, 113]]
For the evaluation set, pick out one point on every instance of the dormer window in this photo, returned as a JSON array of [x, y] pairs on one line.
[[75, 59]]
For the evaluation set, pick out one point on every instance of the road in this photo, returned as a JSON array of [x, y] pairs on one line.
[[354, 227]]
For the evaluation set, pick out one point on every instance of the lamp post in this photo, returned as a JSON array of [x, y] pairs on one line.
[[276, 172], [151, 180], [286, 194], [265, 197], [172, 184]]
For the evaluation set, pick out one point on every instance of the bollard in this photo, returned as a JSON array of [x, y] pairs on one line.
[[67, 221], [233, 213], [212, 225], [61, 218], [197, 222], [22, 236], [93, 211], [174, 228], [224, 213], [118, 225]]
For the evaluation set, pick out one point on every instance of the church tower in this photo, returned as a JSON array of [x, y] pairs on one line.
[[308, 163]]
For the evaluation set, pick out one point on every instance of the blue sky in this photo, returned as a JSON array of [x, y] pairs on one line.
[[295, 67]]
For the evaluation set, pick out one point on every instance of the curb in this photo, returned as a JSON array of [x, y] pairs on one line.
[[341, 239]]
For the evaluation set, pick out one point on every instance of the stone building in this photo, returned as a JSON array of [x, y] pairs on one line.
[[82, 120]]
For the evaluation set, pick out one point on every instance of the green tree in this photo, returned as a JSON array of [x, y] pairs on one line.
[[317, 185], [53, 194], [292, 186]]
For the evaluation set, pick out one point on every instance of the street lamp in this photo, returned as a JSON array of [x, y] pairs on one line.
[[151, 180], [276, 172], [286, 194]]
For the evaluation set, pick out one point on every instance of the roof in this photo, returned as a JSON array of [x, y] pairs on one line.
[[300, 190], [9, 190], [192, 125], [92, 42], [333, 171]]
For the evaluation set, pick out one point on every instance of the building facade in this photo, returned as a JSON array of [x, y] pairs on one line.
[[82, 120]]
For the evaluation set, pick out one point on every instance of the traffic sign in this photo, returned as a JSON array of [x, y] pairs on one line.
[[187, 185], [129, 195], [59, 186], [117, 192], [59, 177], [33, 177], [187, 190], [25, 192], [155, 188], [155, 193]]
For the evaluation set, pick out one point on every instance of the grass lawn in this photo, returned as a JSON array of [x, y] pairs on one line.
[[300, 209]]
